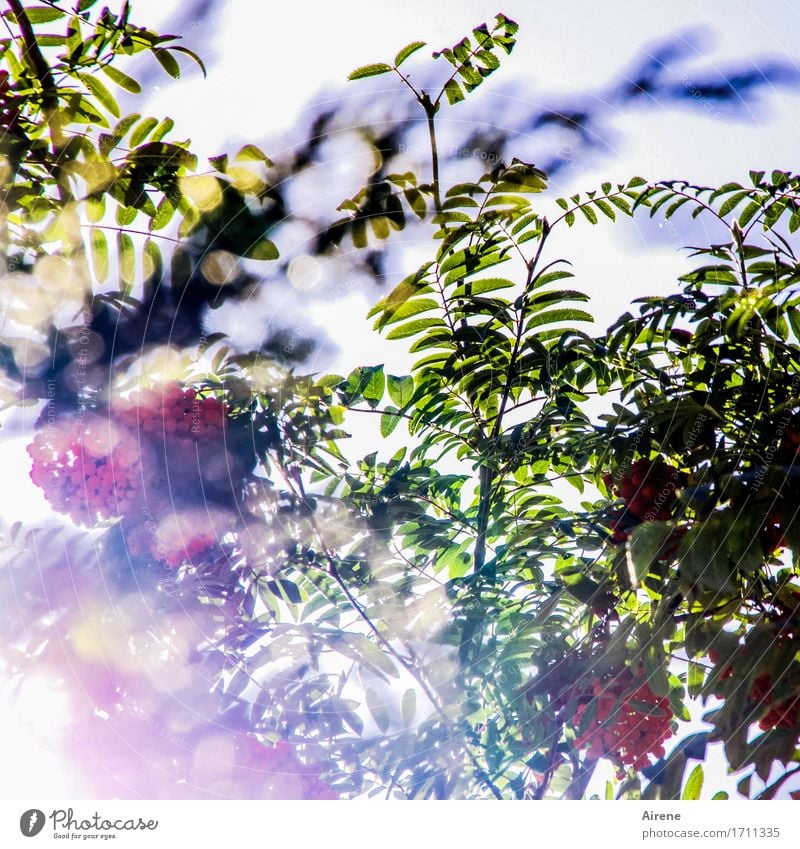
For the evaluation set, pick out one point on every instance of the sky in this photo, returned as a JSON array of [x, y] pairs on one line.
[[564, 49]]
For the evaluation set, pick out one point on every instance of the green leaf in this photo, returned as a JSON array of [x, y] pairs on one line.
[[359, 233], [704, 561], [582, 588], [488, 60], [152, 260], [168, 62], [126, 215], [412, 328], [142, 131], [95, 208], [732, 202], [219, 163], [127, 261], [646, 544], [377, 707], [413, 306], [44, 14], [407, 51], [286, 590], [263, 249], [162, 129], [122, 80], [752, 209], [695, 679], [251, 153], [102, 94], [51, 40], [373, 70], [99, 253], [412, 285], [401, 389], [555, 316], [380, 226], [75, 45], [368, 652], [605, 208], [157, 154], [123, 125], [416, 201], [374, 385], [482, 286], [164, 214], [176, 48], [389, 421], [521, 177], [453, 92], [409, 706], [694, 784]]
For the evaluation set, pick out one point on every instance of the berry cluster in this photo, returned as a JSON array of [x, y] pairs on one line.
[[88, 470], [785, 714], [649, 493], [287, 777], [183, 537], [171, 542], [173, 412], [93, 469], [610, 720], [188, 550]]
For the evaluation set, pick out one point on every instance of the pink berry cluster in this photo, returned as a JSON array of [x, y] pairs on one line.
[[88, 469], [173, 413], [100, 467], [279, 764]]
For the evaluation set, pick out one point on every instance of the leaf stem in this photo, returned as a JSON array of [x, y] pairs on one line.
[[147, 233], [487, 473], [430, 113], [44, 75]]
